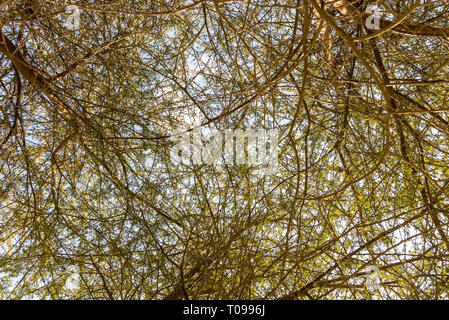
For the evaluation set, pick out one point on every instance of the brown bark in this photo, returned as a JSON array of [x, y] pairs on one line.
[[40, 83]]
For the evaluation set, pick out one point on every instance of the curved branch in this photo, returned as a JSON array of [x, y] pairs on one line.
[[16, 107], [32, 74]]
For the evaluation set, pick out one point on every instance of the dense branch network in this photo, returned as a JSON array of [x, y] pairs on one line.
[[87, 122]]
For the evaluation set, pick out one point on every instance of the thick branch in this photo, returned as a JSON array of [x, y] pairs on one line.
[[32, 74]]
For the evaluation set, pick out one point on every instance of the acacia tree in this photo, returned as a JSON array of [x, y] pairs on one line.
[[88, 116]]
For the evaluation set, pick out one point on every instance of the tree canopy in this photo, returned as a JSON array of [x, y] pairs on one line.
[[89, 116]]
